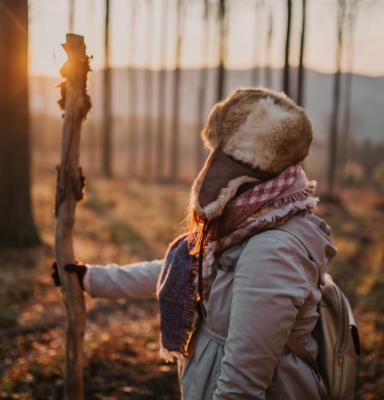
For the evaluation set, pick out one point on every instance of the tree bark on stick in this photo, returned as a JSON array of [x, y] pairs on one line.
[[70, 184]]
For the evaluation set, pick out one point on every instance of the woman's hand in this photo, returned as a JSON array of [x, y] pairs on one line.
[[79, 268]]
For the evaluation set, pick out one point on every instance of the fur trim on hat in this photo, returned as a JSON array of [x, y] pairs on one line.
[[215, 208], [260, 127]]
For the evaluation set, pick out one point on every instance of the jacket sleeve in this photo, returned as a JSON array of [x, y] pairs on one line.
[[133, 281], [269, 286]]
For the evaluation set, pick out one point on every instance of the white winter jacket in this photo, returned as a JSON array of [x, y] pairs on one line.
[[239, 352]]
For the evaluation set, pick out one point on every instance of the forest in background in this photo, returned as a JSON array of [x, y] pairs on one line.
[[140, 151]]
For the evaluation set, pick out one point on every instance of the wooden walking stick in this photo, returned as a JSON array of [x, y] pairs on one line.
[[69, 189]]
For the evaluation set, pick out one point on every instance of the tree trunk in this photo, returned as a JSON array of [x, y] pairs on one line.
[[202, 86], [71, 16], [132, 90], [268, 67], [17, 227], [148, 139], [287, 49], [176, 100], [347, 120], [92, 140], [301, 71], [351, 17], [333, 132], [222, 48], [107, 101], [333, 136], [257, 48], [161, 94], [70, 184]]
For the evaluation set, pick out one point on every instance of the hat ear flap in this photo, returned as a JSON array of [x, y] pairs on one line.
[[211, 130]]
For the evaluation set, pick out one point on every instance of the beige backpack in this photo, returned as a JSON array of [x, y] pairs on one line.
[[338, 343]]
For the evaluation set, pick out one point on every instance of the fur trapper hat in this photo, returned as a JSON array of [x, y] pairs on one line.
[[259, 127], [253, 134]]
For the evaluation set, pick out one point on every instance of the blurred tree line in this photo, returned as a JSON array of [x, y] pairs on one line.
[[16, 222]]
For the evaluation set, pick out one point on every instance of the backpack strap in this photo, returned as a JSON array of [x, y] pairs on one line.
[[297, 348]]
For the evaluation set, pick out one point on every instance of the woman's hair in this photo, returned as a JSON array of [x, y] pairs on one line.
[[194, 226]]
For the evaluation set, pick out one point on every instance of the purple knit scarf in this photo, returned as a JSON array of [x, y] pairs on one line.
[[176, 293]]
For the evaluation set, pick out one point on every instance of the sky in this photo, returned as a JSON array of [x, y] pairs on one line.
[[247, 29]]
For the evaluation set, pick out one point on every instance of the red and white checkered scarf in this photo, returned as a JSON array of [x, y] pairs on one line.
[[264, 206]]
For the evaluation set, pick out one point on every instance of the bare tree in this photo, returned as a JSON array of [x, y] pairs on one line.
[[350, 20], [222, 49], [90, 136], [107, 100], [268, 67], [201, 99], [370, 156], [301, 70], [17, 227], [286, 71], [71, 16], [161, 94], [176, 97], [333, 132], [133, 126], [148, 140], [257, 42]]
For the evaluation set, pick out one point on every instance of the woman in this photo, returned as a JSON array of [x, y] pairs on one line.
[[245, 277]]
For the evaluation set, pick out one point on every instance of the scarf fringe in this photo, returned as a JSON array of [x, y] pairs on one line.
[[276, 217], [292, 198], [284, 210], [170, 356], [189, 311]]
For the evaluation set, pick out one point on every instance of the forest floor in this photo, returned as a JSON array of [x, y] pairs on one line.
[[126, 222]]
